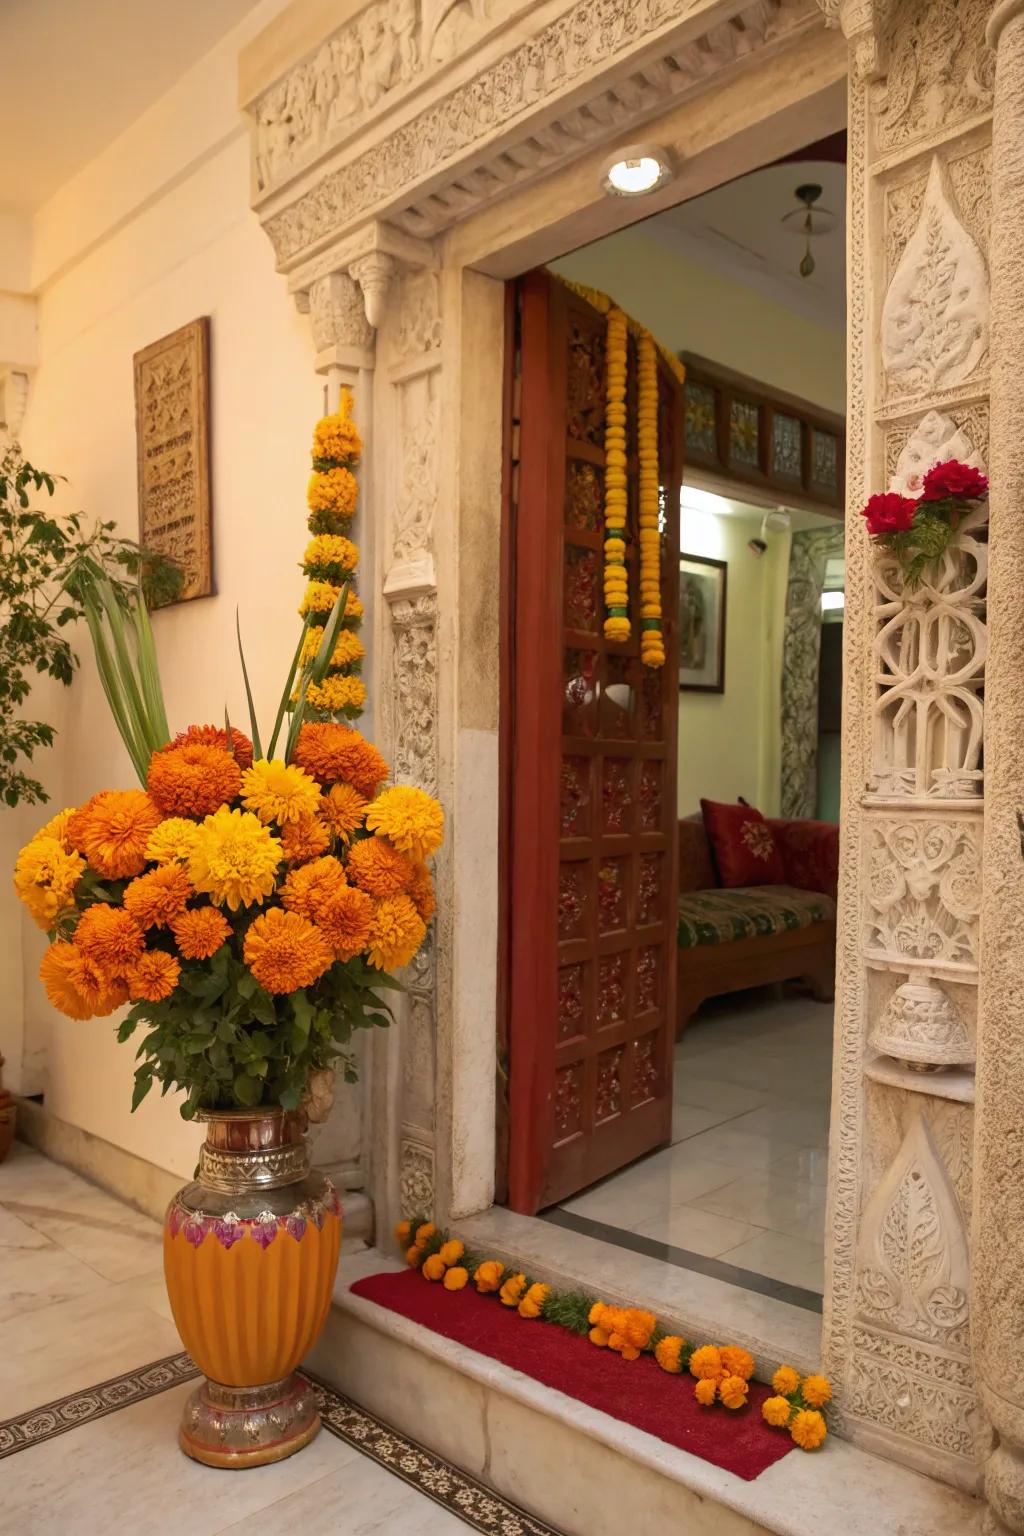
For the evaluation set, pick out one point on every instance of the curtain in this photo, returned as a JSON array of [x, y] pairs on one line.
[[801, 650]]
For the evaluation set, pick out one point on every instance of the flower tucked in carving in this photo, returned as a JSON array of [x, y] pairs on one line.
[[918, 532], [961, 482], [888, 513]]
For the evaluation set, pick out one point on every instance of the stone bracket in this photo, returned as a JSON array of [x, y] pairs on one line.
[[369, 260]]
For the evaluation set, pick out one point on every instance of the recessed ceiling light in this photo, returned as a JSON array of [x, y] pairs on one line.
[[636, 170]]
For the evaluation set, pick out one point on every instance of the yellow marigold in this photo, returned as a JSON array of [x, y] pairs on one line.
[[337, 695], [285, 952], [193, 780], [201, 933], [112, 830], [331, 549], [111, 937], [776, 1411], [532, 1304], [56, 974], [733, 1391], [511, 1292], [409, 818], [668, 1353], [155, 898], [235, 859], [239, 746], [396, 933], [153, 977], [172, 841], [623, 1347], [421, 891], [637, 1327], [336, 437], [488, 1275], [332, 490], [736, 1361], [279, 791], [413, 1256], [452, 1251], [598, 1336], [424, 1233], [433, 1267], [57, 827], [808, 1429], [335, 753], [346, 920], [817, 1391], [376, 867], [785, 1381], [319, 597], [307, 888], [304, 839], [706, 1390], [403, 1232], [45, 877], [456, 1278], [344, 810], [100, 992], [706, 1363], [348, 648]]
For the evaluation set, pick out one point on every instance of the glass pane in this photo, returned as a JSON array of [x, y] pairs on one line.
[[825, 459], [575, 796], [787, 457], [743, 433], [700, 420]]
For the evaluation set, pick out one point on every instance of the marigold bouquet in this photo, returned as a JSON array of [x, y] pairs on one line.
[[247, 906], [918, 530]]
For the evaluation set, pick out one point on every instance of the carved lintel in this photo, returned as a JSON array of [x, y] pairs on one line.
[[862, 23], [410, 579], [374, 273]]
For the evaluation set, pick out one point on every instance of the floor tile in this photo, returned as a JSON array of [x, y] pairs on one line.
[[703, 1092], [790, 1121], [15, 1233], [362, 1499], [34, 1279], [698, 1231], [781, 1258], [690, 1119], [101, 1231], [765, 1200], [808, 1165]]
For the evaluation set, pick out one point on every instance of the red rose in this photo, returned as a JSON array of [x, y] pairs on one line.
[[954, 479], [888, 513]]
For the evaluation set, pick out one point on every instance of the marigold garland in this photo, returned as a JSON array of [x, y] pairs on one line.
[[652, 648], [616, 482], [721, 1373]]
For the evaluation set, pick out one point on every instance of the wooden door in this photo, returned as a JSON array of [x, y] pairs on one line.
[[592, 844]]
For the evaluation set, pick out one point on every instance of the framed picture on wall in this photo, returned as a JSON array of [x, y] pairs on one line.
[[702, 624]]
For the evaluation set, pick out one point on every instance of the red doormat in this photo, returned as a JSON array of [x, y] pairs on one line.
[[638, 1392]]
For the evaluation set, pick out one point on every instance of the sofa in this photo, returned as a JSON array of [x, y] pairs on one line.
[[746, 936]]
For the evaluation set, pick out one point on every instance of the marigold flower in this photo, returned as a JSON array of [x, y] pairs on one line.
[[598, 1336], [193, 779], [409, 818], [155, 898], [319, 597], [305, 839], [45, 877], [173, 840], [396, 933], [532, 1304], [512, 1291], [331, 549], [200, 933], [736, 1361], [706, 1362], [817, 1391], [240, 747], [112, 830], [285, 952], [332, 490], [776, 1411], [337, 695], [333, 752], [306, 889], [488, 1275], [153, 977], [706, 1390], [336, 437], [111, 937], [344, 810], [733, 1391], [403, 1231], [279, 791], [413, 1256], [668, 1353], [808, 1429], [424, 1233], [637, 1327], [622, 1347], [57, 974], [378, 868], [348, 648], [785, 1381], [421, 891], [57, 827], [346, 920], [452, 1251], [433, 1267], [100, 993], [235, 859], [456, 1278]]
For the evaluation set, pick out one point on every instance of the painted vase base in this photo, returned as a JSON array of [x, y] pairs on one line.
[[237, 1427]]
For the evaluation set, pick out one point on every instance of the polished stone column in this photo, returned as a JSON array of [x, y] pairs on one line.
[[998, 1233]]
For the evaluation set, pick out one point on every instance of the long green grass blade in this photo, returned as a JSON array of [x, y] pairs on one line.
[[286, 695], [126, 667], [295, 723], [253, 727], [149, 670], [108, 681], [329, 639]]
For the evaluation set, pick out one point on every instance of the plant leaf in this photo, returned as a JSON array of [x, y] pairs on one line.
[[286, 695], [149, 669], [329, 638], [254, 728]]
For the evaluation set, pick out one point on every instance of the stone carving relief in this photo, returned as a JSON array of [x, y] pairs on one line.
[[416, 1179], [337, 313], [801, 650], [419, 313], [940, 71], [969, 178], [923, 891], [935, 440], [411, 531], [414, 691], [418, 1071], [923, 1028], [935, 315]]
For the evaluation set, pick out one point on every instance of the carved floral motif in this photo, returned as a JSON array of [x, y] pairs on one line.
[[413, 694], [923, 890], [568, 1101], [608, 1095], [645, 1069], [922, 1027], [939, 70], [416, 1178]]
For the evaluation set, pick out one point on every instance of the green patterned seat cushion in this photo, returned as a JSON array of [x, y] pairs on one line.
[[747, 912]]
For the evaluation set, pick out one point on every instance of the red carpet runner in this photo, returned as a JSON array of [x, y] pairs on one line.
[[638, 1392]]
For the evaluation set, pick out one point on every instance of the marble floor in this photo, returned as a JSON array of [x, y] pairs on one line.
[[82, 1301], [743, 1182]]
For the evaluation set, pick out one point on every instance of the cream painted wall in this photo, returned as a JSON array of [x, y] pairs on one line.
[[191, 248]]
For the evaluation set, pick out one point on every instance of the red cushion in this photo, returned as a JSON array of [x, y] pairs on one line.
[[810, 853], [743, 845]]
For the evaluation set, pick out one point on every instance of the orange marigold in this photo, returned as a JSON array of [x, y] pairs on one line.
[[193, 779], [706, 1362], [511, 1292], [305, 839], [668, 1353], [111, 937], [153, 977], [409, 818], [733, 1391], [154, 899], [532, 1304], [307, 888], [737, 1361], [57, 974], [424, 1233], [817, 1391], [396, 933], [345, 920], [452, 1251], [488, 1275], [403, 1232], [705, 1391], [344, 810], [98, 991], [112, 829], [285, 952], [433, 1268], [376, 867], [413, 1256], [808, 1429], [212, 736], [333, 752], [199, 934], [421, 892], [456, 1278], [637, 1327]]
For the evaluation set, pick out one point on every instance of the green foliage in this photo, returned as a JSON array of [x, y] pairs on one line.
[[43, 558], [926, 540]]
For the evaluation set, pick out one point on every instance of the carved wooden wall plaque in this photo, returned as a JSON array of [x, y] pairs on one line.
[[172, 432]]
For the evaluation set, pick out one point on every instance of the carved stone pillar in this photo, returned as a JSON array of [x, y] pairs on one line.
[[998, 1234]]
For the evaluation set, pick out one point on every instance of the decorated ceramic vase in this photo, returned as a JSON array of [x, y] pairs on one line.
[[250, 1254]]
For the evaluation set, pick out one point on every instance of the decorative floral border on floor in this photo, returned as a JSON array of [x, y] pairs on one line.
[[64, 1413]]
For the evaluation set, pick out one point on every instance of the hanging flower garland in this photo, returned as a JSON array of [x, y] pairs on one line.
[[616, 482], [331, 559], [652, 648]]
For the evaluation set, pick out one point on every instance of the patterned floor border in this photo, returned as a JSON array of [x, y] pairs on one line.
[[463, 1496]]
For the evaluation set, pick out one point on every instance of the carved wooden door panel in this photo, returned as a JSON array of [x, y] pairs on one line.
[[592, 826]]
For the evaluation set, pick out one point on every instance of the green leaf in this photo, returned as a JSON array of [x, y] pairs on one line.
[[253, 727], [149, 670], [143, 1083], [248, 1090], [329, 638], [287, 693]]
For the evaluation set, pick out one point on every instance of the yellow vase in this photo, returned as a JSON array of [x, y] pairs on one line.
[[250, 1254]]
